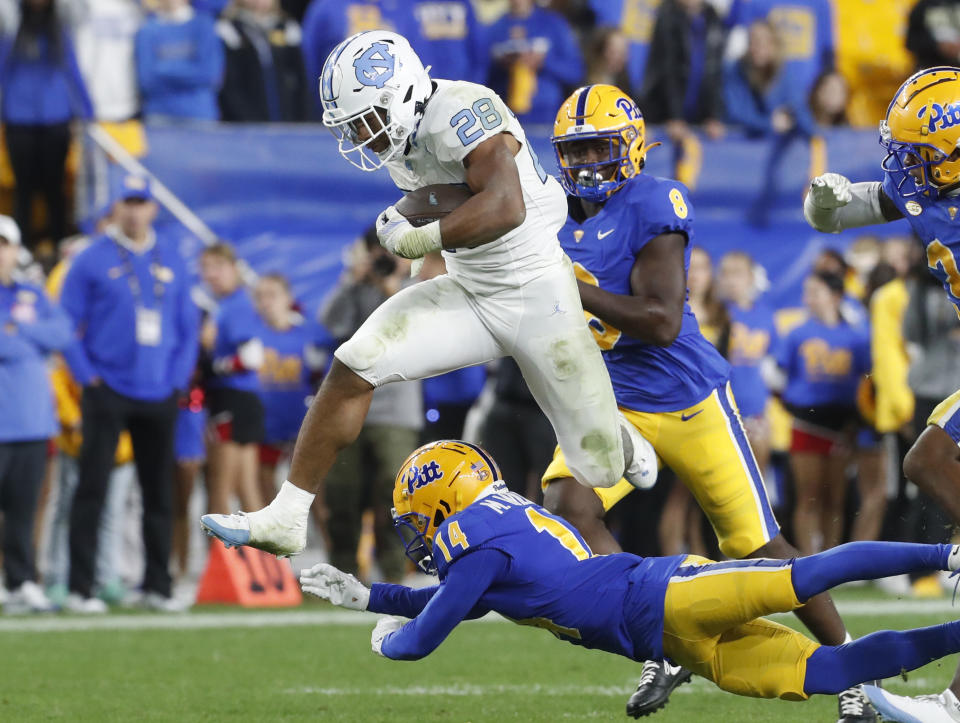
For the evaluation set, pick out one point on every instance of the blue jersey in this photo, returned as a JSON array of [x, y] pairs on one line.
[[285, 379], [538, 571], [934, 222], [237, 323], [824, 364], [752, 333], [646, 378]]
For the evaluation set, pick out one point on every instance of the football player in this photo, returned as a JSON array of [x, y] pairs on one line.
[[495, 550], [921, 183], [629, 235], [509, 290]]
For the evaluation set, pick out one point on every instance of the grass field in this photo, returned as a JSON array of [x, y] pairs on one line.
[[315, 664]]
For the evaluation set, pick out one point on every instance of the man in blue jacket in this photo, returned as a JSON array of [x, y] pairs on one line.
[[129, 295], [30, 328]]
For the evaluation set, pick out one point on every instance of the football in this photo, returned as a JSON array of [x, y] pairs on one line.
[[431, 203]]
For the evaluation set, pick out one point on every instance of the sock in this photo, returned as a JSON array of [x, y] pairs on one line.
[[293, 501], [864, 561], [953, 705], [834, 668]]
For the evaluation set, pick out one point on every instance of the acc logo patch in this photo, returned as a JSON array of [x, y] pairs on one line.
[[376, 66], [577, 235], [423, 475], [479, 470], [913, 208], [953, 212]]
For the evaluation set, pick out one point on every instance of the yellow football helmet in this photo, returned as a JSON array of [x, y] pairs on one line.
[[922, 132], [438, 480], [599, 113]]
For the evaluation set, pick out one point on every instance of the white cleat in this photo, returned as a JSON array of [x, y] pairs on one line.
[[28, 598], [953, 561], [641, 470], [258, 529], [904, 709], [76, 603]]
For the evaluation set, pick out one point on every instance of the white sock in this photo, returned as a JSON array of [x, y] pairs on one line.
[[953, 705], [848, 638], [293, 501]]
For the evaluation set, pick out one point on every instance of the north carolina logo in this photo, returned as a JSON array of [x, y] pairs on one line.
[[376, 66], [418, 477], [940, 116]]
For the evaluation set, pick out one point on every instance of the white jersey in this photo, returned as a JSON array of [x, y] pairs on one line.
[[458, 117]]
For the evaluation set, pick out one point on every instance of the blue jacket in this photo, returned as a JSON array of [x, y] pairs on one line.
[[30, 328], [753, 111], [562, 67], [98, 294], [39, 90], [180, 67]]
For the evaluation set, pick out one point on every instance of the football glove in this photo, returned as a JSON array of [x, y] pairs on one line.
[[328, 583], [249, 357], [399, 237], [383, 628], [831, 190]]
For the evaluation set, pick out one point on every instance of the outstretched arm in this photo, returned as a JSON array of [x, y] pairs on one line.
[[833, 204]]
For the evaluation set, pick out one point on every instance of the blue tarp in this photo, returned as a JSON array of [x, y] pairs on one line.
[[290, 203]]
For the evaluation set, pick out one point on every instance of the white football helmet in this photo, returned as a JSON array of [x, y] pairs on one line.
[[372, 70]]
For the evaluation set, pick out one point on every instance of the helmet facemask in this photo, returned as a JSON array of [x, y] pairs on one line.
[[914, 166], [412, 529], [359, 135], [595, 181]]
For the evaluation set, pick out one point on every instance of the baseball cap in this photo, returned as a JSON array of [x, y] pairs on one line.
[[9, 230], [133, 185]]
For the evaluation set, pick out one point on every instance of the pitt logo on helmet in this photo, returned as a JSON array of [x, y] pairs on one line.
[[921, 133], [436, 481], [599, 138]]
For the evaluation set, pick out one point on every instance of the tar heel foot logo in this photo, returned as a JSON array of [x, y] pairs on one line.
[[376, 66], [423, 475]]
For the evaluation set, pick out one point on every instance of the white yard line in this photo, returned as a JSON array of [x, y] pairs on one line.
[[291, 618]]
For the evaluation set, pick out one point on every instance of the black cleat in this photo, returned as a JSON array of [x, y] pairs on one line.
[[853, 707], [657, 682]]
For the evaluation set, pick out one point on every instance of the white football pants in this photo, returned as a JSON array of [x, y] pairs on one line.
[[436, 326]]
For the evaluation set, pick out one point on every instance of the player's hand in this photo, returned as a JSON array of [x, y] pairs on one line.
[[383, 628], [328, 583], [399, 237], [831, 190]]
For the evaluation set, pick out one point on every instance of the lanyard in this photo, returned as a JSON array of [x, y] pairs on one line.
[[126, 258]]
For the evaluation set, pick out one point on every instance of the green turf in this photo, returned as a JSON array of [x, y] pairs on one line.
[[484, 672]]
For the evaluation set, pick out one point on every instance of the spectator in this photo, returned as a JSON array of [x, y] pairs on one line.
[[933, 33], [828, 100], [128, 294], [516, 432], [179, 63], [450, 40], [704, 301], [236, 412], [760, 96], [804, 30], [535, 60], [190, 452], [30, 328], [327, 22], [635, 18], [105, 33], [752, 336], [108, 582], [820, 365], [607, 59], [43, 93], [264, 78], [392, 427], [291, 359], [685, 85]]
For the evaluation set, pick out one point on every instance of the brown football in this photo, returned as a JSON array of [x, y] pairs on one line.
[[430, 203]]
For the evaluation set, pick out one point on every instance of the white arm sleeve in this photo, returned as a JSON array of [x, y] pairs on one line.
[[862, 210]]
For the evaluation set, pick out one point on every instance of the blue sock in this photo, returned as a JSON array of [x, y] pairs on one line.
[[864, 561], [833, 668]]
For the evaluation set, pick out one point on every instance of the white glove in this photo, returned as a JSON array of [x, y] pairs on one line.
[[382, 629], [829, 191], [399, 237], [251, 354], [328, 583]]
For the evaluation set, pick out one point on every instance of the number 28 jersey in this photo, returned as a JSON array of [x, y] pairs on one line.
[[458, 117], [603, 248], [935, 222]]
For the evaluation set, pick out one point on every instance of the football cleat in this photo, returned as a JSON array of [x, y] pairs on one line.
[[657, 681], [904, 709], [641, 470], [853, 707], [76, 603], [260, 529]]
